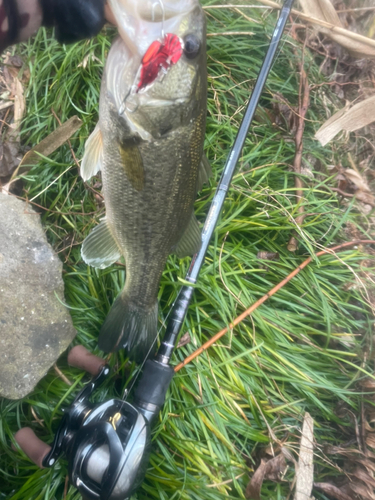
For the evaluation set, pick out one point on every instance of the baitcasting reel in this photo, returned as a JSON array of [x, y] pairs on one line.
[[107, 444]]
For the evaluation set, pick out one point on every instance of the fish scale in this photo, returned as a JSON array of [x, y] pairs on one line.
[[150, 156]]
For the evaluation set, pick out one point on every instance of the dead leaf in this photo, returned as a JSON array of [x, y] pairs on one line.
[[356, 179], [271, 470], [364, 42], [368, 464], [9, 157], [185, 339], [332, 491], [6, 104], [370, 416], [367, 383], [19, 106], [355, 183], [305, 470], [325, 11], [363, 476], [283, 113], [264, 255], [48, 145], [362, 490], [370, 440], [352, 119]]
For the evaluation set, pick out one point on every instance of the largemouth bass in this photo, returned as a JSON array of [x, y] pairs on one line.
[[149, 146]]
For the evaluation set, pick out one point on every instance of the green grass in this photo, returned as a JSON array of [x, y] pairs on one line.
[[300, 351]]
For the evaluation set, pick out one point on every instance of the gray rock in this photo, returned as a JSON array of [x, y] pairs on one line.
[[35, 328]]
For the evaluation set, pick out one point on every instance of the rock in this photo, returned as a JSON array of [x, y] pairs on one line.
[[35, 328]]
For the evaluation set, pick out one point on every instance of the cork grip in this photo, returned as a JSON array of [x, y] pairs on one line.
[[80, 357], [34, 447]]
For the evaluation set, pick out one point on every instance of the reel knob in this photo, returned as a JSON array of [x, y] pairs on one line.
[[80, 357], [34, 447]]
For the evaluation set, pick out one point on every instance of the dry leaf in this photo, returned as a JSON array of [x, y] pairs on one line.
[[264, 255], [185, 339], [363, 476], [325, 11], [352, 119], [363, 43], [6, 104], [283, 113], [321, 9], [19, 107], [355, 178], [305, 470], [10, 147], [367, 383], [9, 157], [368, 464], [48, 145], [357, 185], [363, 491], [271, 469], [370, 440], [332, 491]]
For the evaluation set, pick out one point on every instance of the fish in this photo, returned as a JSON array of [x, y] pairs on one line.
[[148, 145]]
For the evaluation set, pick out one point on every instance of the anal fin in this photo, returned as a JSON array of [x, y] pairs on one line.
[[93, 157], [100, 248], [191, 240], [204, 172]]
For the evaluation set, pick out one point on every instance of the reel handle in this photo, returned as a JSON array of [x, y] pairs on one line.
[[35, 448], [80, 357]]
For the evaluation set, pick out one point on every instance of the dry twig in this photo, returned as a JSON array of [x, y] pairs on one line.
[[263, 299], [303, 104]]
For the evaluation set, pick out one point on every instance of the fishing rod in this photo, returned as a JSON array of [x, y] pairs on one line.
[[108, 444]]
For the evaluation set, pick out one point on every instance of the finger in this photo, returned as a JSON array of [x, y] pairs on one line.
[[109, 15]]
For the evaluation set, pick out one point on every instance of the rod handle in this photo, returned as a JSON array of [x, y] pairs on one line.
[[80, 357], [35, 448]]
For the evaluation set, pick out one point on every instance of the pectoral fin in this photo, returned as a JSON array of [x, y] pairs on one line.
[[100, 248], [204, 172], [191, 240], [93, 157]]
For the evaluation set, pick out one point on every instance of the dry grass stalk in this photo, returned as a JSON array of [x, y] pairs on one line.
[[332, 29], [304, 95], [263, 299], [305, 471]]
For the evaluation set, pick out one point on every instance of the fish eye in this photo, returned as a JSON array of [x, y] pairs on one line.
[[192, 46]]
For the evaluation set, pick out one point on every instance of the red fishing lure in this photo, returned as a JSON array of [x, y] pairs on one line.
[[159, 56]]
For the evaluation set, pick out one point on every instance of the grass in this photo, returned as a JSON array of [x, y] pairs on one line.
[[300, 351]]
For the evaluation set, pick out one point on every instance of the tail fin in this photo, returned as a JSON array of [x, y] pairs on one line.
[[128, 328]]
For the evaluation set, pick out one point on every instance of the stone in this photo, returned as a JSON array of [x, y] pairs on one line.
[[35, 327]]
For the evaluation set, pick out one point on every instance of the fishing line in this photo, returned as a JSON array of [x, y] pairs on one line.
[[161, 5]]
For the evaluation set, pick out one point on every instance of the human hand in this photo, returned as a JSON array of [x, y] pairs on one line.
[[109, 15], [20, 19]]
